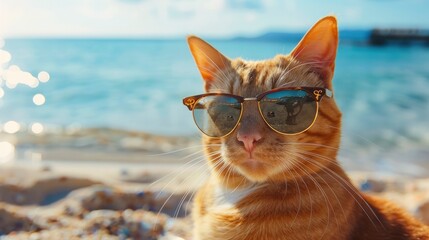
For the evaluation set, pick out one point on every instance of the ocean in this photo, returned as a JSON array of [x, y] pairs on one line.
[[138, 85]]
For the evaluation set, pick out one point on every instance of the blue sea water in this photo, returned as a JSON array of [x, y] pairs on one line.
[[139, 85]]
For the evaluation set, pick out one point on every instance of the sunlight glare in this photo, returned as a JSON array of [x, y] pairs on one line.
[[39, 99], [7, 152], [14, 76], [37, 128], [14, 68], [43, 76], [1, 91], [5, 56], [11, 127]]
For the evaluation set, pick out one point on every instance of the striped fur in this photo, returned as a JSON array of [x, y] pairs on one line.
[[295, 189]]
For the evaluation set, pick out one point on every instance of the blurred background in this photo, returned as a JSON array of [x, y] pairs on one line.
[[75, 72], [84, 77], [91, 93]]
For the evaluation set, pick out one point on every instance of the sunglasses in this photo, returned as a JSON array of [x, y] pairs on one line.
[[287, 111]]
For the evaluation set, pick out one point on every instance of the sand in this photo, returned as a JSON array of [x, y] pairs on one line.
[[55, 203], [129, 186]]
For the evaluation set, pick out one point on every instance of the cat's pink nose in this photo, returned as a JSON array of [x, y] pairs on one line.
[[249, 140]]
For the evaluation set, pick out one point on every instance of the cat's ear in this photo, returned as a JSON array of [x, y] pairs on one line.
[[209, 61], [318, 48]]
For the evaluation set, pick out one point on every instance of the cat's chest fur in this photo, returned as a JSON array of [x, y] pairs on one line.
[[226, 200], [264, 212]]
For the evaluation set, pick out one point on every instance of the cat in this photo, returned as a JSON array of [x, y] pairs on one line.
[[266, 185]]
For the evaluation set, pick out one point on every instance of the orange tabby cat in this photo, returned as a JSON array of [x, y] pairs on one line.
[[270, 179]]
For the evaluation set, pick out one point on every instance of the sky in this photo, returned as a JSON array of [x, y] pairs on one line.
[[211, 18]]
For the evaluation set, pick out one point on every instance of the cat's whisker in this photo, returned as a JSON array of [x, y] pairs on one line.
[[196, 161], [185, 196], [239, 185], [348, 189], [300, 65], [361, 137], [162, 191], [335, 195], [179, 206], [189, 167], [285, 71], [297, 164], [175, 151], [182, 168], [191, 197], [326, 201], [193, 194], [328, 185], [185, 157], [330, 160], [223, 79], [299, 192], [170, 196], [302, 145], [213, 64], [179, 171], [226, 167], [311, 202], [228, 174], [310, 144]]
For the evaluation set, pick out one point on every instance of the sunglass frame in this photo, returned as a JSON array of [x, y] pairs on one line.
[[317, 93]]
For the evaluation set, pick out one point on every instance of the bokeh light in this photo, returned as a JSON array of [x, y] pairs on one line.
[[14, 76], [37, 128], [11, 127], [10, 77], [7, 152], [43, 76], [39, 99], [5, 57]]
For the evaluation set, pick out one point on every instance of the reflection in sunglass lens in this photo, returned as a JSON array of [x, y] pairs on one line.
[[217, 115], [289, 111]]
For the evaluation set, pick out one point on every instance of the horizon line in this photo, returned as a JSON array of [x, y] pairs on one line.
[[172, 37]]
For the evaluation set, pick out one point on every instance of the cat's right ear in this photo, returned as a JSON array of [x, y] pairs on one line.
[[318, 48], [209, 61]]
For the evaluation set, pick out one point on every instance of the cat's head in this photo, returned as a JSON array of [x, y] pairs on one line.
[[253, 151]]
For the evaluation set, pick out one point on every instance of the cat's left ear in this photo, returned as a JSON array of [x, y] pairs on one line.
[[209, 61], [318, 48]]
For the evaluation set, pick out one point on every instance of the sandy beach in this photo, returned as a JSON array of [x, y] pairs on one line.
[[115, 185], [127, 185]]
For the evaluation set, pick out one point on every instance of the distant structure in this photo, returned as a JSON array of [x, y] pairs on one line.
[[405, 37]]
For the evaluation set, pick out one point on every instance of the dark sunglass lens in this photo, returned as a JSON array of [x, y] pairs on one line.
[[289, 111], [217, 115]]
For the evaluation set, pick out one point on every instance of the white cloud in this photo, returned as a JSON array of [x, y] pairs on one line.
[[124, 17], [140, 18]]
